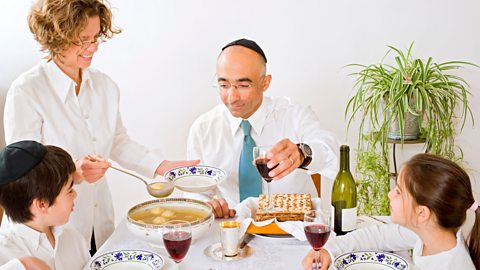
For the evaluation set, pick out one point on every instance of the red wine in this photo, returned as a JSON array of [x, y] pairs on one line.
[[317, 235], [177, 244], [263, 169]]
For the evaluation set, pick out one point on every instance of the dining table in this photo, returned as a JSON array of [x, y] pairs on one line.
[[268, 252]]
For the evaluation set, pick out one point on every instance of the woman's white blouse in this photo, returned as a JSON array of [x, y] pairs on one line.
[[41, 105]]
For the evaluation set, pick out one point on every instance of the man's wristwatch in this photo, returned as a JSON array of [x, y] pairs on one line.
[[307, 154]]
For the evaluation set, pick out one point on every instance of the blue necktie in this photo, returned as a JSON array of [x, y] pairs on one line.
[[249, 180]]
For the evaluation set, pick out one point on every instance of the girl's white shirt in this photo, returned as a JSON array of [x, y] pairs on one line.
[[393, 237]]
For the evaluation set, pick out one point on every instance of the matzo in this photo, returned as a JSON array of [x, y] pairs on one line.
[[294, 207]]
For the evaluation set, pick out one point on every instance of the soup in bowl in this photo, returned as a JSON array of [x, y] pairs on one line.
[[146, 220]]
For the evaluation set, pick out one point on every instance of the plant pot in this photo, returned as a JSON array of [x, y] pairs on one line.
[[411, 128]]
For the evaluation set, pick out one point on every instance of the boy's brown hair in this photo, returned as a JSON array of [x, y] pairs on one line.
[[43, 182]]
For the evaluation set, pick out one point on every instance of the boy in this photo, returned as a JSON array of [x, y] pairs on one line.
[[36, 191]]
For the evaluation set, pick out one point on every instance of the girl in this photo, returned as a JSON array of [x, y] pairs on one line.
[[428, 205]]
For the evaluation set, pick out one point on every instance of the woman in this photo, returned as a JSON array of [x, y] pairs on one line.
[[63, 102], [428, 204]]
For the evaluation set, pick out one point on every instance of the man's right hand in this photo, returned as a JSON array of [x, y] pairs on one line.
[[33, 263], [220, 208]]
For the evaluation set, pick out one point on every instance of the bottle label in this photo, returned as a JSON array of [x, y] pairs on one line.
[[349, 219]]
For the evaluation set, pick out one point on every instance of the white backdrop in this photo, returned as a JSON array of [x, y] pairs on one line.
[[164, 60]]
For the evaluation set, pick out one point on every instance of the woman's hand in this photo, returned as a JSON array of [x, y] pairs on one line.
[[324, 259], [90, 168], [167, 165]]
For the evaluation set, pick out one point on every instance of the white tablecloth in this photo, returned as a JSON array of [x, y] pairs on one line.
[[268, 253]]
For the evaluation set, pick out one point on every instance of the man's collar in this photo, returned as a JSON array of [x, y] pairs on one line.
[[256, 120]]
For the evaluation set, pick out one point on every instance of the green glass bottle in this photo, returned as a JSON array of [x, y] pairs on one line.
[[344, 196]]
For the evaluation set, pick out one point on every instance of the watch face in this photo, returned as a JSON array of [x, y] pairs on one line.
[[306, 149]]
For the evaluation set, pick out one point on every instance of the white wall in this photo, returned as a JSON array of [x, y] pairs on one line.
[[164, 60]]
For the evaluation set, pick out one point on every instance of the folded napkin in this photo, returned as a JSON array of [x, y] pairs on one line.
[[247, 209]]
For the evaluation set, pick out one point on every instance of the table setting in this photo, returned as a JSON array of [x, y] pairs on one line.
[[182, 233]]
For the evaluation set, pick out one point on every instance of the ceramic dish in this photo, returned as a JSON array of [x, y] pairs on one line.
[[195, 179], [128, 260], [372, 260], [152, 233]]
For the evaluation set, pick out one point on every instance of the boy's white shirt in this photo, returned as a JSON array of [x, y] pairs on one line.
[[393, 237], [18, 240]]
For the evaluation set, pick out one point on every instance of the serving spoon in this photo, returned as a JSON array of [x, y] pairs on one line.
[[156, 189]]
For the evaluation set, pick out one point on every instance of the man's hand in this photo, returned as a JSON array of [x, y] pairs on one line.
[[167, 165], [324, 259], [220, 208], [33, 263], [90, 168], [286, 154]]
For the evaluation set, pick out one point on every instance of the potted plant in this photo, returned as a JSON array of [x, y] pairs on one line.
[[409, 99]]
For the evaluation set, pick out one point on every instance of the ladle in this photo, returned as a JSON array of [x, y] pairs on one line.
[[156, 189]]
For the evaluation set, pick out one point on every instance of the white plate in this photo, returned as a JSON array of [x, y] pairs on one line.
[[371, 260], [195, 179], [128, 260]]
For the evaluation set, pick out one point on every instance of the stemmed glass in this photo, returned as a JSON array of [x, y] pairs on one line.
[[177, 237], [260, 161], [316, 225]]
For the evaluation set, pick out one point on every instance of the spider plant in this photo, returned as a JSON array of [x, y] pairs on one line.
[[387, 94]]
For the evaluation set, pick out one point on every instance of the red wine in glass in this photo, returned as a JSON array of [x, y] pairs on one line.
[[316, 225], [177, 244], [263, 169], [317, 235]]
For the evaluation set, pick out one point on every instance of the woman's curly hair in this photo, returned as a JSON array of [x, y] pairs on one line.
[[56, 24]]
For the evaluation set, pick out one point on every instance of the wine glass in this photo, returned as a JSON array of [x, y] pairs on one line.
[[260, 161], [177, 237], [316, 225]]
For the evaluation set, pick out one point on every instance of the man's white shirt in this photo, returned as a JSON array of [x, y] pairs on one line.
[[217, 140]]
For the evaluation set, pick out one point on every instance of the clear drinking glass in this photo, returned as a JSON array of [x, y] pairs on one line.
[[260, 161], [177, 237], [317, 226]]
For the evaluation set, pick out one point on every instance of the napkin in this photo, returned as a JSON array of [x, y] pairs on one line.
[[247, 209]]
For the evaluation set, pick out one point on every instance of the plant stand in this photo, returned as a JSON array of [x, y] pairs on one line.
[[394, 154]]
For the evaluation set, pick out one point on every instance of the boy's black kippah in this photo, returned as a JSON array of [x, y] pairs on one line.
[[247, 44], [19, 158]]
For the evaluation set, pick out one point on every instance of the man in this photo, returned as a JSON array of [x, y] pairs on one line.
[[224, 136]]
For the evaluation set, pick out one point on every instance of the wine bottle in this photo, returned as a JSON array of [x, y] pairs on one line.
[[344, 196]]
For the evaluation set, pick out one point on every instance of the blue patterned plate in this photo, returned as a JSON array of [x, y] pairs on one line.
[[371, 260], [196, 179], [128, 260]]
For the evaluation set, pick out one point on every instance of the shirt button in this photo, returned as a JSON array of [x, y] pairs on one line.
[[86, 116], [95, 205], [94, 139]]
